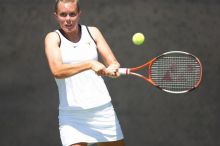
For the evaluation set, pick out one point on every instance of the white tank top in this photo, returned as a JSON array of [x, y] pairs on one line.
[[86, 89]]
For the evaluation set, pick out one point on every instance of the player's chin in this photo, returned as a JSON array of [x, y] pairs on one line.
[[68, 30]]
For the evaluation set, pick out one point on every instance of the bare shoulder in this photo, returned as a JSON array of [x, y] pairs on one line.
[[52, 40], [95, 32], [93, 28], [52, 36]]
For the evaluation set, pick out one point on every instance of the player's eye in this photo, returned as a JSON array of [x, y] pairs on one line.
[[63, 14], [73, 14]]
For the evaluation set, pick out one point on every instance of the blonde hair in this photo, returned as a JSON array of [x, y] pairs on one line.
[[65, 1]]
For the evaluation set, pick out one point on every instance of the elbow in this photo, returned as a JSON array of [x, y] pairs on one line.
[[58, 75]]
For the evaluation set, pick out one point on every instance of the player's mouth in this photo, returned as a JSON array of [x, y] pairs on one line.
[[69, 26]]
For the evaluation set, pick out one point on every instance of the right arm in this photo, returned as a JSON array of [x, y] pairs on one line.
[[58, 68]]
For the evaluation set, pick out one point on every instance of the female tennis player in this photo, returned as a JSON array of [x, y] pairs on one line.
[[86, 114]]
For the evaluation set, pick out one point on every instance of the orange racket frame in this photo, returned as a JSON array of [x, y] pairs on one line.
[[148, 65]]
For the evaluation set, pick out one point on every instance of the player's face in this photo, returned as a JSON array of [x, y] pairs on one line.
[[68, 16]]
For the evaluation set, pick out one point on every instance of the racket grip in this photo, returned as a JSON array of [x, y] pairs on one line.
[[123, 71]]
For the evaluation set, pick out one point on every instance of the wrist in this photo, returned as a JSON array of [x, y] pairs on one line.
[[114, 65]]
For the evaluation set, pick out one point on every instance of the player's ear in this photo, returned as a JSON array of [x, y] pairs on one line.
[[55, 15], [79, 13]]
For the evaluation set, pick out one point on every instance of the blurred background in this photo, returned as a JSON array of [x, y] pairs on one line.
[[148, 116]]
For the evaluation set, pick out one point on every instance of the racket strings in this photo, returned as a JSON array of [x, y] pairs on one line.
[[176, 73]]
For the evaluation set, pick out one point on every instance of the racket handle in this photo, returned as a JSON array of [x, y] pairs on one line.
[[123, 71]]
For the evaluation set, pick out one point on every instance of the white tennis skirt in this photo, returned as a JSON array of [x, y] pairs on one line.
[[90, 126]]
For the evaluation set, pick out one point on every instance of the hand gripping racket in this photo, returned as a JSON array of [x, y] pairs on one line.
[[173, 72]]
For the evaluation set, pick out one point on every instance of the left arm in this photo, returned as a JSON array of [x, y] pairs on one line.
[[105, 52]]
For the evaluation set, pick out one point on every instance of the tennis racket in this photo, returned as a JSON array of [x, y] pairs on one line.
[[173, 72]]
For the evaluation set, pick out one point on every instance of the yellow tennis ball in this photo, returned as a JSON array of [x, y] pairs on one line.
[[138, 38]]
